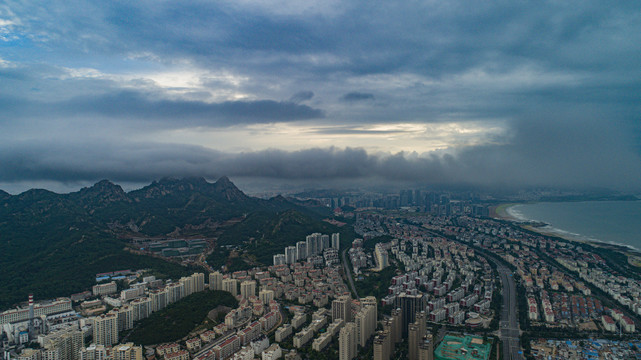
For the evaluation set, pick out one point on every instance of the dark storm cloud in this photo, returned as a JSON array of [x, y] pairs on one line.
[[132, 104], [129, 104], [357, 96], [539, 155], [563, 77]]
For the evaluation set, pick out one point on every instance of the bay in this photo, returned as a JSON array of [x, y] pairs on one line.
[[617, 222]]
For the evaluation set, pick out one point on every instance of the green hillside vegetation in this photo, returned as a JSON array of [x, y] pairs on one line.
[[178, 319], [53, 244], [68, 265], [50, 247], [265, 234]]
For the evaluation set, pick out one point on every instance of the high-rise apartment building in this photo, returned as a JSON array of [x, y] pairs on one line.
[[159, 299], [324, 241], [64, 344], [426, 348], [370, 301], [414, 335], [421, 320], [189, 285], [266, 296], [301, 250], [125, 317], [105, 329], [312, 247], [216, 281], [397, 325], [342, 308], [199, 281], [410, 305], [316, 243], [247, 289], [347, 342], [175, 292], [382, 346], [365, 320], [336, 241], [290, 254], [142, 308], [230, 285]]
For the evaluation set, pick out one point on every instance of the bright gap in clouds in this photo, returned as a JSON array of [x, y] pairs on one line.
[[392, 137]]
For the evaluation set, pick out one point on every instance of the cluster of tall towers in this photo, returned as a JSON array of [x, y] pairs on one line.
[[408, 321], [313, 245], [359, 328]]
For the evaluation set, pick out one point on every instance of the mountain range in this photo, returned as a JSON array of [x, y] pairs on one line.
[[53, 244]]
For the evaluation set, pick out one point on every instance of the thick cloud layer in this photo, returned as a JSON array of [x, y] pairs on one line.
[[128, 104], [488, 94], [523, 162]]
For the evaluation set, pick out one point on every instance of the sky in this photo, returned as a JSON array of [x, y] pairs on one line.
[[482, 94]]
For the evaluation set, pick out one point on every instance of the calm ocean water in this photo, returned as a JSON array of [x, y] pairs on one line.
[[608, 221]]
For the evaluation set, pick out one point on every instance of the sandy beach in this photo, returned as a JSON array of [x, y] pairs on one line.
[[501, 212]]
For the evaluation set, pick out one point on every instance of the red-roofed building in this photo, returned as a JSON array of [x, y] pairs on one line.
[[269, 321], [177, 355], [167, 348], [249, 333], [227, 348], [193, 344], [608, 323]]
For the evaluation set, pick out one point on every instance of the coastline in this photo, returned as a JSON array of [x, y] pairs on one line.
[[502, 212]]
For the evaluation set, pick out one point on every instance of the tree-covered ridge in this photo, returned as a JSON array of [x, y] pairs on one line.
[[53, 244]]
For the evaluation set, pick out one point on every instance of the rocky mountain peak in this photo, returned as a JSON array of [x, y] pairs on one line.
[[225, 188], [103, 191]]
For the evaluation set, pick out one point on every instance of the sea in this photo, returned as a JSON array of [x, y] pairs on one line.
[[615, 222]]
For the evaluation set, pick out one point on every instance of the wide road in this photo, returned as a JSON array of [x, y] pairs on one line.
[[509, 324], [348, 272]]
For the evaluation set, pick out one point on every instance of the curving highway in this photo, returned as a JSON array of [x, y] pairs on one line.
[[348, 272]]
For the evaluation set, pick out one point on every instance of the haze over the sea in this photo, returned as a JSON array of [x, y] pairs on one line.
[[607, 221]]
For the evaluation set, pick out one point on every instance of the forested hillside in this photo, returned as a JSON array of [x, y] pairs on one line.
[[53, 244]]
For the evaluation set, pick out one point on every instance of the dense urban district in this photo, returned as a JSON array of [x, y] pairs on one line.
[[417, 275]]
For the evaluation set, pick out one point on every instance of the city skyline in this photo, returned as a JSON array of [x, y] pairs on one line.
[[491, 95]]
